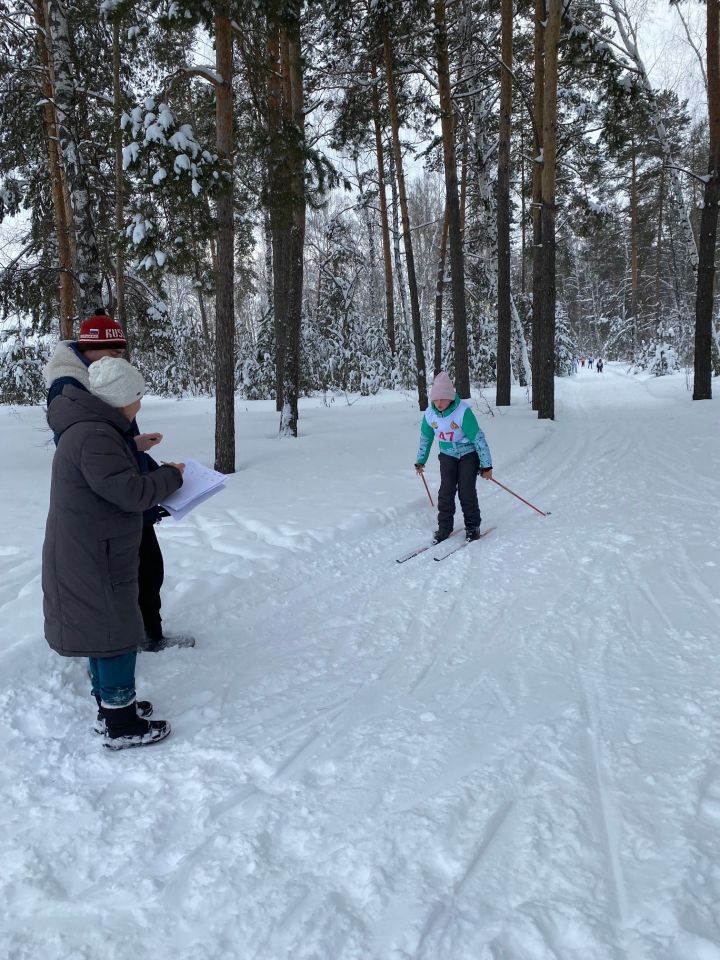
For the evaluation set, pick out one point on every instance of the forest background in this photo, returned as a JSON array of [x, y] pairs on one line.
[[282, 197]]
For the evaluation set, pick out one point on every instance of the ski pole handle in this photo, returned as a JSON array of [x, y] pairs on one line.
[[422, 477], [526, 502]]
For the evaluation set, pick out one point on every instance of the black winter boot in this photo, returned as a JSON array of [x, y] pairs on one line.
[[472, 533], [441, 535], [144, 709], [126, 729], [156, 644]]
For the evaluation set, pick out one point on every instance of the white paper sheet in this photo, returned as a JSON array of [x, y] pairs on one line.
[[199, 484]]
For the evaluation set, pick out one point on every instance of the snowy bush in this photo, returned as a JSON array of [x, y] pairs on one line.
[[22, 358], [255, 374], [483, 349], [659, 355], [564, 347], [183, 366]]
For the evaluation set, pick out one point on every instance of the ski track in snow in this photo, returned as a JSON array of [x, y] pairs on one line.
[[368, 764]]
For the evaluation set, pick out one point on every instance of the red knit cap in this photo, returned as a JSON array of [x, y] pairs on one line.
[[101, 332]]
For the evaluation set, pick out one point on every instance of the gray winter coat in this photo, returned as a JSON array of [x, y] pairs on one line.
[[93, 531]]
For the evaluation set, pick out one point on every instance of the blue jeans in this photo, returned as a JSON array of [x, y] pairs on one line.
[[113, 678]]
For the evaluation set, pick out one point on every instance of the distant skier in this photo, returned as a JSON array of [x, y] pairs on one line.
[[582, 361], [590, 363], [463, 454], [599, 365]]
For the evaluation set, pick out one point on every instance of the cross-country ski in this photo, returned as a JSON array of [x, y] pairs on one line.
[[416, 551], [453, 548]]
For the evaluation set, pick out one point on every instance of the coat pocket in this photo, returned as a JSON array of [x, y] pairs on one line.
[[121, 560]]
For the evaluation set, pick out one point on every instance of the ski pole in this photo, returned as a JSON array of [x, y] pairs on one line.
[[422, 477], [542, 513]]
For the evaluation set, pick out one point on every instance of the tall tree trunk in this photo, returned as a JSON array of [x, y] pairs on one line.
[[546, 368], [277, 200], [269, 293], [504, 373], [463, 180], [439, 290], [523, 223], [704, 301], [537, 260], [404, 213], [452, 203], [204, 325], [384, 225], [525, 374], [370, 230], [295, 147], [119, 180], [633, 239], [397, 252], [658, 247], [57, 178], [224, 284], [66, 99]]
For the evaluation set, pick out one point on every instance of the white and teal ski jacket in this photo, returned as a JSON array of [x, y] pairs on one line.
[[458, 433]]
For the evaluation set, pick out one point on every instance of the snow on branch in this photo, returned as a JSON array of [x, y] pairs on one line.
[[187, 73]]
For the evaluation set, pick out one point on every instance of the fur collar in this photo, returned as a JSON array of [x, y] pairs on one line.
[[66, 363]]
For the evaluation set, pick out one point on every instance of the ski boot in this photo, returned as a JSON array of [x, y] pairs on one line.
[[440, 535]]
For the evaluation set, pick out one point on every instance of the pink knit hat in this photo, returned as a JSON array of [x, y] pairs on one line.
[[442, 388]]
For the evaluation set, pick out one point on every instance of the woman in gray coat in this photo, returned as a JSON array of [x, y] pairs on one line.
[[92, 537]]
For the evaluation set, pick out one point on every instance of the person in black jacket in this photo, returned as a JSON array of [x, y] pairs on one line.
[[92, 537], [101, 336]]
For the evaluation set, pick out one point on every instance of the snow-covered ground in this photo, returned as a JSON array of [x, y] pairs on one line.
[[510, 755]]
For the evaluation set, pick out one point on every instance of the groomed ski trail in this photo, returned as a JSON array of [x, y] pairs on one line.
[[463, 761]]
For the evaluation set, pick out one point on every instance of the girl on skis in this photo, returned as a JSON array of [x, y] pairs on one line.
[[463, 454]]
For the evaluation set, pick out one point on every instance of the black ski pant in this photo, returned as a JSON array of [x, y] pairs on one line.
[[458, 476], [151, 573]]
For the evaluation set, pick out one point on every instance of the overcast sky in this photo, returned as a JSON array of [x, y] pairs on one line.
[[667, 51]]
